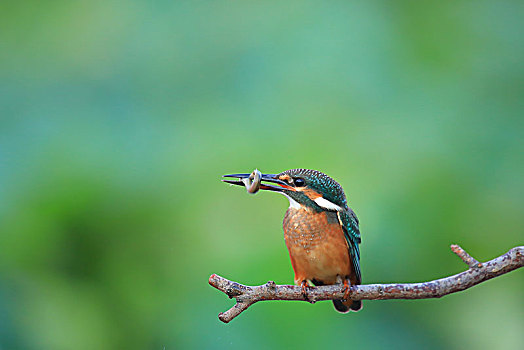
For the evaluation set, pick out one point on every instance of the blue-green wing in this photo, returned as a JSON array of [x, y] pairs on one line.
[[349, 223]]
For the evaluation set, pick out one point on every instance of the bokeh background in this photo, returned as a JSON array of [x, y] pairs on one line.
[[117, 119]]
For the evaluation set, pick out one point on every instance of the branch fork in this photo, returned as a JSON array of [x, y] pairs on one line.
[[478, 272]]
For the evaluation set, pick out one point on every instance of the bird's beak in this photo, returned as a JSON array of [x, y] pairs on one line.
[[272, 178]]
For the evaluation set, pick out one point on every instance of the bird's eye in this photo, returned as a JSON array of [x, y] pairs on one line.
[[299, 182]]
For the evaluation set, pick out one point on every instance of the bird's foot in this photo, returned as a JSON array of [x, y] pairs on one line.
[[305, 287], [347, 288]]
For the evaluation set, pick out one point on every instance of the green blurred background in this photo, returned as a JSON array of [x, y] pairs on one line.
[[117, 119]]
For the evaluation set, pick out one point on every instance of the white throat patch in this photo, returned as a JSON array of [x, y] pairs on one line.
[[292, 203], [324, 203]]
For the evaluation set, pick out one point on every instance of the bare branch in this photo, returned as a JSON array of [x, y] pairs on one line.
[[248, 295]]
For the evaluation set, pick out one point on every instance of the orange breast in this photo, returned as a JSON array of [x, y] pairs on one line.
[[317, 247]]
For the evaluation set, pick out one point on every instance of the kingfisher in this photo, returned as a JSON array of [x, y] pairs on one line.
[[321, 232]]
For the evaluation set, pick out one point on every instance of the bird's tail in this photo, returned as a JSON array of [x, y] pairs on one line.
[[347, 305]]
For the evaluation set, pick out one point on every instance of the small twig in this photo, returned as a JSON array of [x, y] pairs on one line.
[[468, 259], [248, 295]]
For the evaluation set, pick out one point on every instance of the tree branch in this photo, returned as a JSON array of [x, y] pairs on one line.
[[477, 273]]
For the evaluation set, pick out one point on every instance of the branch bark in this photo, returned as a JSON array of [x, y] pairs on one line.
[[478, 272]]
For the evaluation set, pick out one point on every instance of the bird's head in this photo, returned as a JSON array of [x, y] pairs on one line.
[[304, 188]]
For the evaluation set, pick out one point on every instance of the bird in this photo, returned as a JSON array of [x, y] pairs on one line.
[[321, 232]]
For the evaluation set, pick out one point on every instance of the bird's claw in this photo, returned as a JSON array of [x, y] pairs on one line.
[[305, 286], [347, 288]]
